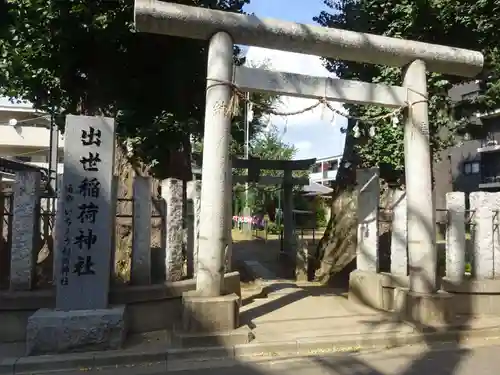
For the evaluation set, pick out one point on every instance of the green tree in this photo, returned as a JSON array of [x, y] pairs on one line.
[[83, 57], [462, 23], [268, 145]]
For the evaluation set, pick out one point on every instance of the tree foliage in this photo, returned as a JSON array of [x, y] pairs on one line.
[[459, 23], [83, 57], [267, 145]]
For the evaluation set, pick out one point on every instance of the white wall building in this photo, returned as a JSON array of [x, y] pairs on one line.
[[25, 135], [324, 171]]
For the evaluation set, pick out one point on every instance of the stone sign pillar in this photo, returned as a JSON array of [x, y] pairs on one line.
[[368, 185], [140, 272], [172, 193], [82, 317], [455, 236], [486, 253], [84, 270], [193, 235]]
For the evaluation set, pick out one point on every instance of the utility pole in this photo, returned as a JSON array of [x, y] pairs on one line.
[[53, 157], [247, 118], [247, 139]]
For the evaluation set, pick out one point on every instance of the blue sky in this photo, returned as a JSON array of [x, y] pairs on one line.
[[313, 133]]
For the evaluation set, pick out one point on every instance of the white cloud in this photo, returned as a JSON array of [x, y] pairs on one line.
[[303, 146], [294, 63], [312, 132]]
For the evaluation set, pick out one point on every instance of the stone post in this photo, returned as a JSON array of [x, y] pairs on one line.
[[399, 235], [288, 224], [85, 249], [140, 273], [486, 254], [115, 186], [172, 193], [421, 223], [455, 236], [193, 194], [25, 230], [82, 319], [214, 190], [59, 230], [368, 185]]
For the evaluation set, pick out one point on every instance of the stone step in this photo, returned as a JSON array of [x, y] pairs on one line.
[[327, 327], [258, 271]]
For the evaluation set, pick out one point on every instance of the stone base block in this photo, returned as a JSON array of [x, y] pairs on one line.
[[424, 309], [209, 314], [365, 288], [241, 335], [211, 321], [474, 297], [55, 331]]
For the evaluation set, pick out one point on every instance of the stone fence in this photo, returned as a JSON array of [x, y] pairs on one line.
[[471, 247], [468, 257], [28, 234]]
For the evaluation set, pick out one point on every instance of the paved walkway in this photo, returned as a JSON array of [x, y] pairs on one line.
[[294, 312], [475, 358]]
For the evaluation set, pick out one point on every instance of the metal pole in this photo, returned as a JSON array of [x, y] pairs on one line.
[[247, 141], [246, 211], [53, 157]]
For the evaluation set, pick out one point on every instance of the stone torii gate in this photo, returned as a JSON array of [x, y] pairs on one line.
[[255, 165], [224, 29]]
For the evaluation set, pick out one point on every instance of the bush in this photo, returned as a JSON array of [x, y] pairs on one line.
[[273, 228]]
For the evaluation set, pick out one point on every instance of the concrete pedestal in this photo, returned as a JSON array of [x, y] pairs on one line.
[[211, 321], [376, 290], [365, 288], [56, 331], [424, 309]]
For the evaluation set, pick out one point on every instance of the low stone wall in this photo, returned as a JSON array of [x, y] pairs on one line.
[[470, 297], [149, 307]]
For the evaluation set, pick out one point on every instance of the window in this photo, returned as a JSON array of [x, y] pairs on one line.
[[334, 165], [471, 95], [471, 167], [316, 168]]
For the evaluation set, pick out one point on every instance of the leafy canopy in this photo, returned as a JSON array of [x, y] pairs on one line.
[[83, 57], [459, 23]]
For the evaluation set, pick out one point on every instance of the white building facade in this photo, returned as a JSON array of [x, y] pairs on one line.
[[25, 136], [324, 171]]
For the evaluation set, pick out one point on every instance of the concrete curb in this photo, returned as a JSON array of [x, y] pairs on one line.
[[301, 347]]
